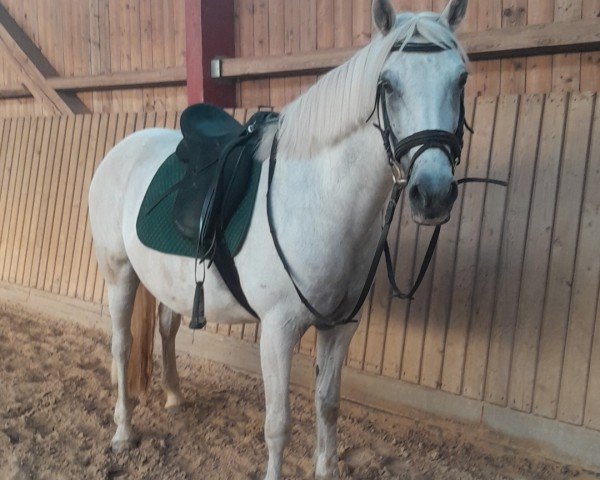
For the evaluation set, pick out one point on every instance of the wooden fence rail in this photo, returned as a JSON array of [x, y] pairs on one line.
[[507, 314]]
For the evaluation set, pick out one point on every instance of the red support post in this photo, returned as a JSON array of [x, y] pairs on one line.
[[209, 32]]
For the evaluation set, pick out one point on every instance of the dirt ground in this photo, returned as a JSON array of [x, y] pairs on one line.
[[56, 422]]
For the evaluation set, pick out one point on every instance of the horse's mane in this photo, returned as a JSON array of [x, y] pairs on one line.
[[343, 99]]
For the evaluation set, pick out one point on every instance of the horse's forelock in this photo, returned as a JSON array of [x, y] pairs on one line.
[[342, 100]]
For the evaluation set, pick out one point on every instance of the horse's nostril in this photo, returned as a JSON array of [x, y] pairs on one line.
[[415, 195], [453, 193]]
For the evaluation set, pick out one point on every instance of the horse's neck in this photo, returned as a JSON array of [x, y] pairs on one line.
[[327, 209]]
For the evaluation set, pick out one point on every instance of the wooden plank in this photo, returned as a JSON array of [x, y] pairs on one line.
[[539, 68], [512, 248], [562, 259], [467, 247], [441, 290], [34, 214], [59, 253], [566, 68], [57, 173], [9, 169], [398, 310], [7, 253], [554, 38], [590, 62], [31, 66], [580, 330], [76, 226], [514, 14], [105, 141], [292, 44], [5, 165], [48, 152], [535, 263], [21, 201], [492, 231], [592, 405], [486, 73], [26, 215], [158, 52]]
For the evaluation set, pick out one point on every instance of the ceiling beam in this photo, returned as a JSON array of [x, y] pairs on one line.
[[560, 37], [33, 68]]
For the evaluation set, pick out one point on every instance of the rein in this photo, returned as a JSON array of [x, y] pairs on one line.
[[449, 143]]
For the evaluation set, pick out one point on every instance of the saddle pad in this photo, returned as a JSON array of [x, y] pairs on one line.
[[155, 228]]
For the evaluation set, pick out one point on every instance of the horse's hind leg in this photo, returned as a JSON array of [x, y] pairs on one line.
[[332, 347], [122, 283], [168, 326]]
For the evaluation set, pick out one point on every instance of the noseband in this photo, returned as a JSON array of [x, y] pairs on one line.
[[449, 143]]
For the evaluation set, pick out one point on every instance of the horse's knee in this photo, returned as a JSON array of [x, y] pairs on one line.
[[277, 427], [328, 405]]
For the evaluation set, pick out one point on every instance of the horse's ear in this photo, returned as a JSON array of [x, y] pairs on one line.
[[384, 15], [455, 12]]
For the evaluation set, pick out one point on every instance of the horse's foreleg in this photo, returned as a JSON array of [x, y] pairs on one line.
[[332, 347], [276, 347], [168, 326], [121, 296]]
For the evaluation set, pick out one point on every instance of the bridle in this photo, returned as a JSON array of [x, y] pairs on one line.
[[450, 143]]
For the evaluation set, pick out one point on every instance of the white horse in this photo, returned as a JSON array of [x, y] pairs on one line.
[[330, 186]]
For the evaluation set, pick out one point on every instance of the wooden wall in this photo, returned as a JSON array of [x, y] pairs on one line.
[[275, 27], [85, 37], [507, 313]]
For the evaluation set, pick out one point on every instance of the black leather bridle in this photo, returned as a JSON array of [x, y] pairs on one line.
[[450, 143]]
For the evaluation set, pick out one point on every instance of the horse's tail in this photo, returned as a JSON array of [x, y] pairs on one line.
[[143, 323]]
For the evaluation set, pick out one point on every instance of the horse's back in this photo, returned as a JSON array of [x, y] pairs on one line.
[[129, 165]]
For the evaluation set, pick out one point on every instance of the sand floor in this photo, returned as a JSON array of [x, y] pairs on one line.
[[56, 403]]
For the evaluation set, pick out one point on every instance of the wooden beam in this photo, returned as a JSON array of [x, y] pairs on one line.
[[209, 31], [164, 77], [28, 62], [561, 37]]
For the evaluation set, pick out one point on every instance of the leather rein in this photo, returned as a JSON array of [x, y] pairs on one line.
[[450, 144]]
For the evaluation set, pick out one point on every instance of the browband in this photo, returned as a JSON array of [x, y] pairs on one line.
[[414, 47]]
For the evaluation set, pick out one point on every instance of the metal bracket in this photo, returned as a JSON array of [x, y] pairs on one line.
[[215, 67]]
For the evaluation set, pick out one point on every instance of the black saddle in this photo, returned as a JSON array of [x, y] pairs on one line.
[[219, 153]]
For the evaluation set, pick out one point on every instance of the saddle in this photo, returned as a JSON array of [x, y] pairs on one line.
[[218, 153]]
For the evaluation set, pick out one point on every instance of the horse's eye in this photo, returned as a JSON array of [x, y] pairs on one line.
[[462, 81], [387, 86]]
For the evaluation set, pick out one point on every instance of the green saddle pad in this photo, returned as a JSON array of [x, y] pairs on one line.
[[154, 225]]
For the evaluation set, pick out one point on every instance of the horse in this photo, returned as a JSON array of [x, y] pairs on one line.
[[331, 184]]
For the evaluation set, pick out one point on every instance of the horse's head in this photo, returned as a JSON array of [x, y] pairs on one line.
[[421, 88]]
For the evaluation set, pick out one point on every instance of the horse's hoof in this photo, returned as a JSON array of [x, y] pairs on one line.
[[119, 446], [174, 403]]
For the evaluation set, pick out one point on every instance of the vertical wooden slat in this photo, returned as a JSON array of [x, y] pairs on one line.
[[539, 67], [261, 48], [442, 286], [65, 204], [95, 282], [562, 260], [513, 69], [492, 231], [292, 44], [398, 310], [566, 68], [28, 218], [246, 48], [590, 61], [8, 233], [535, 262], [585, 292], [21, 219], [512, 249], [488, 73], [79, 221], [57, 170], [467, 246], [276, 47]]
